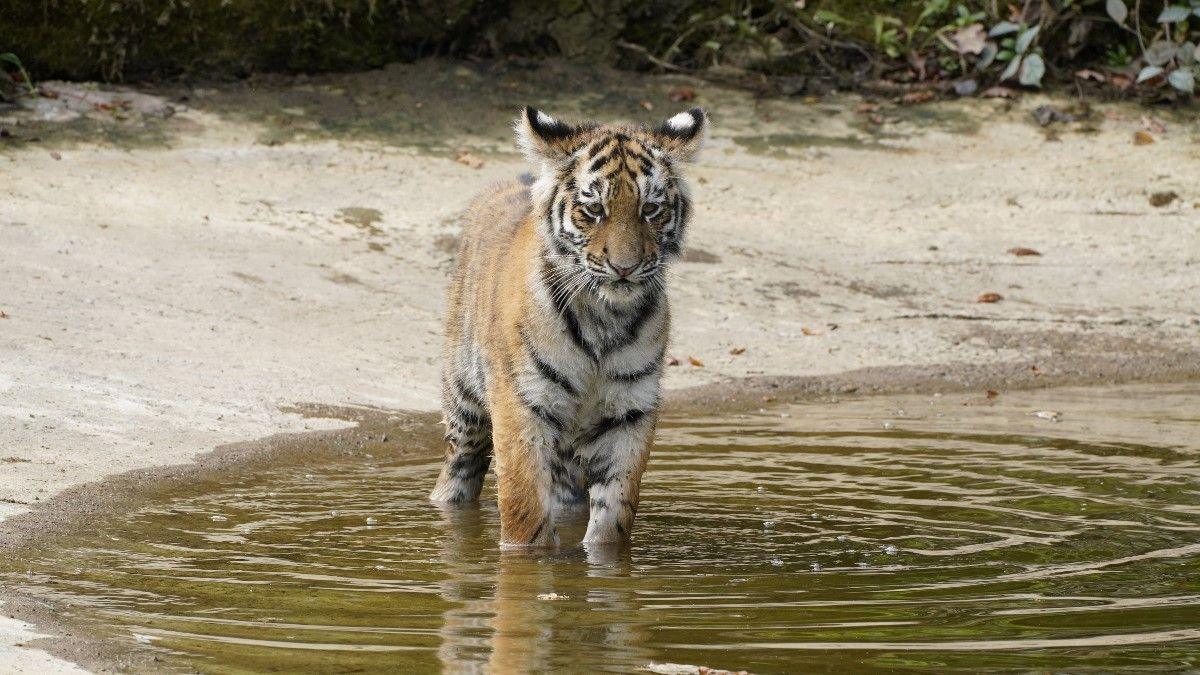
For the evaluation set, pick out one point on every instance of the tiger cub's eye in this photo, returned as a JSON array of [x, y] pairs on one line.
[[594, 210], [650, 209]]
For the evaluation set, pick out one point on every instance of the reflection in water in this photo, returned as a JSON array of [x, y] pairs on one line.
[[807, 538]]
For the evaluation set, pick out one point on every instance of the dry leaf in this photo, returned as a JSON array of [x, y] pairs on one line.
[[1121, 81], [999, 92], [916, 97], [55, 155], [672, 361], [768, 399], [1153, 125], [1088, 74], [809, 331], [1021, 250], [737, 350], [810, 100], [970, 39], [3, 315], [647, 105], [695, 362], [681, 94], [990, 297], [1161, 199], [464, 157], [867, 107], [992, 393], [1142, 138]]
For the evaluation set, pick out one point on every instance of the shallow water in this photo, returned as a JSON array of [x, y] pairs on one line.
[[897, 533]]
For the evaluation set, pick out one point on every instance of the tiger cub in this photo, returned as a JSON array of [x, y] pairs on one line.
[[558, 322]]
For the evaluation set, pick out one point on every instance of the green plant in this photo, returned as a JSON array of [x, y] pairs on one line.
[[1118, 56], [1168, 53], [10, 59]]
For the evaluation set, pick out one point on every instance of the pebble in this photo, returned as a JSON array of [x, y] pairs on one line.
[[768, 524], [218, 519], [890, 550], [372, 520], [776, 562], [888, 425], [816, 567]]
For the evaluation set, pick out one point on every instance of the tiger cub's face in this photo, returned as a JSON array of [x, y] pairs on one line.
[[615, 206]]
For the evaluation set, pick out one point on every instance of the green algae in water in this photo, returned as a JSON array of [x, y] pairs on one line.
[[810, 538]]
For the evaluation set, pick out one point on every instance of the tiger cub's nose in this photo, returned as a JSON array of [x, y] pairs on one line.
[[621, 270]]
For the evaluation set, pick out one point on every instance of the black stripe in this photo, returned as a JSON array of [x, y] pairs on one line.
[[607, 424], [470, 464], [469, 418], [634, 324], [464, 392], [599, 474], [568, 317], [547, 371], [600, 162], [561, 247], [598, 147], [650, 369], [541, 526], [543, 414], [553, 375]]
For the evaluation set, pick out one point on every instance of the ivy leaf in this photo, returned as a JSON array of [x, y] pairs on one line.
[[1160, 52], [1183, 80], [1032, 71], [1117, 10], [828, 17], [990, 50], [1149, 72], [1026, 38], [1187, 54], [9, 57], [1003, 28], [1011, 69], [1174, 14]]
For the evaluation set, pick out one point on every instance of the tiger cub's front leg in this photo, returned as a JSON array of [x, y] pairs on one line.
[[615, 449], [526, 438]]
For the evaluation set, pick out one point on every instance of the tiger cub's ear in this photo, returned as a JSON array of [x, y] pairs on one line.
[[681, 136], [545, 139]]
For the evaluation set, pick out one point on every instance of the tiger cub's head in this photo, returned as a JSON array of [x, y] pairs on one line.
[[614, 202]]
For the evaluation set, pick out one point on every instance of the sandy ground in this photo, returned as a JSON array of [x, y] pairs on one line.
[[172, 279]]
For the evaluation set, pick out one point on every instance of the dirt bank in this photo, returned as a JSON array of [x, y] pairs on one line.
[[180, 270]]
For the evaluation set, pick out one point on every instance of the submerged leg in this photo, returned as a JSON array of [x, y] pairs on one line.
[[526, 440], [618, 448], [468, 455]]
